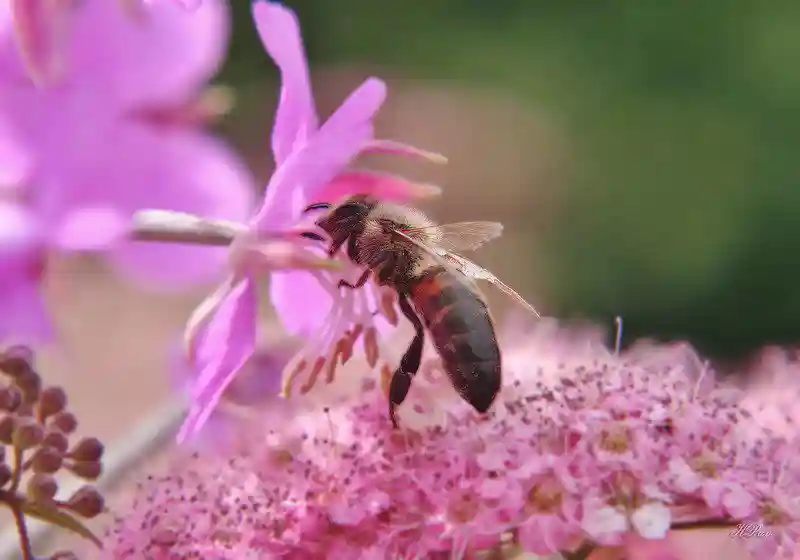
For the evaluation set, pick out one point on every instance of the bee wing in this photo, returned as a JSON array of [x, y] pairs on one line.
[[468, 271], [459, 236]]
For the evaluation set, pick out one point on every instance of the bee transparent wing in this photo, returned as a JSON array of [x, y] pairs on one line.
[[468, 271], [459, 236], [475, 272]]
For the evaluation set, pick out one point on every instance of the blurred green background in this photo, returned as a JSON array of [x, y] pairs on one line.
[[668, 185]]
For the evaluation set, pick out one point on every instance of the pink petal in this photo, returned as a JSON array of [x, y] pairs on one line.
[[257, 382], [90, 229], [227, 345], [295, 118], [544, 534], [301, 303], [41, 32], [141, 169], [381, 185], [16, 160], [390, 147], [166, 56], [187, 4], [20, 231], [326, 154]]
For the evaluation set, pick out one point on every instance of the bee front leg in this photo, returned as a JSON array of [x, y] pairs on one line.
[[409, 364], [359, 283]]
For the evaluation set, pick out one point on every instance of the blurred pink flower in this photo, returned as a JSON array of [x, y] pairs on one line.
[[188, 4], [110, 135], [102, 142], [42, 30], [311, 163], [539, 474]]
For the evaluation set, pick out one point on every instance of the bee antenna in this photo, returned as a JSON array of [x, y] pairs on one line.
[[313, 236], [317, 206], [618, 341]]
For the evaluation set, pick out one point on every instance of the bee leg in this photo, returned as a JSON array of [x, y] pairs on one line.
[[336, 245], [409, 364], [359, 283]]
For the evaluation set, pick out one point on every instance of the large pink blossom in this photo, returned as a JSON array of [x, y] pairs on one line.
[[582, 447], [120, 127], [311, 165]]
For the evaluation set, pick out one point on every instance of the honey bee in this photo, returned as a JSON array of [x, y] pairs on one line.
[[405, 251]]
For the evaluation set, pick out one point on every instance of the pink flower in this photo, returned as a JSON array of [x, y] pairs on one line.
[[118, 130], [43, 31], [311, 163], [337, 479], [254, 391]]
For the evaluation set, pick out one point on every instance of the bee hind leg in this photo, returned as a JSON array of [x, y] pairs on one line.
[[409, 364]]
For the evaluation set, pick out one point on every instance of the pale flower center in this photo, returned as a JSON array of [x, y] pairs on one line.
[[545, 497], [616, 440], [704, 465], [772, 514], [463, 508]]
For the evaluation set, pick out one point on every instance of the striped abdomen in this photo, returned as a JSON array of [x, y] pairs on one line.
[[458, 321]]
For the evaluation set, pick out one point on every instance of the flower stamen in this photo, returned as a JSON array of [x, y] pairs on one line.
[[312, 378], [371, 346], [386, 306]]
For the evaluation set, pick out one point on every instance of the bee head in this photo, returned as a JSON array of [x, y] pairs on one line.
[[343, 219]]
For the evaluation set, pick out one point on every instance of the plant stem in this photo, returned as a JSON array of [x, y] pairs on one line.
[[22, 531], [178, 227], [16, 473]]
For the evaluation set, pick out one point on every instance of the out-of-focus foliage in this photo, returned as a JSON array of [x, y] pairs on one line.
[[682, 125]]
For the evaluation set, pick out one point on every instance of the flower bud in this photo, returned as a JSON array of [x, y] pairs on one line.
[[24, 409], [5, 474], [86, 502], [16, 361], [66, 422], [27, 434], [52, 401], [10, 398], [7, 423], [30, 385], [56, 440], [42, 488], [87, 449], [46, 460], [88, 470]]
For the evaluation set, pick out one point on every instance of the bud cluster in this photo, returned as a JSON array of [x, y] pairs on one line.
[[35, 445]]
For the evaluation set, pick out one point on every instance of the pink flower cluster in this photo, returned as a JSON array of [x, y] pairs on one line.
[[583, 446]]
